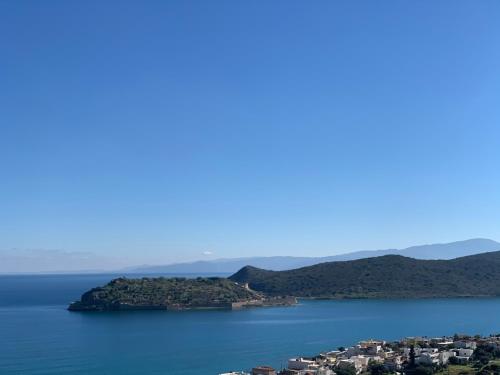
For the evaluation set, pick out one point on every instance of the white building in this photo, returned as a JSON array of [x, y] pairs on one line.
[[324, 371], [444, 357], [343, 363], [465, 352], [302, 364], [445, 344], [393, 363], [465, 344], [427, 358]]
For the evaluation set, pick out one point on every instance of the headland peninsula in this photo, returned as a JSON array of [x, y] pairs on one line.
[[389, 276]]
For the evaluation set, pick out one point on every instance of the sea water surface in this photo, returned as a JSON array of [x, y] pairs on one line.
[[39, 336]]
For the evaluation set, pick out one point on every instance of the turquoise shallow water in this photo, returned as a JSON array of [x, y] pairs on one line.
[[38, 336]]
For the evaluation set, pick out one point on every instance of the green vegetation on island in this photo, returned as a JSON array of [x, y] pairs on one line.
[[165, 294], [390, 276]]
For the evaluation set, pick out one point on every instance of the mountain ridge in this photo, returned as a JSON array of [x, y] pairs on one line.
[[387, 276], [230, 265]]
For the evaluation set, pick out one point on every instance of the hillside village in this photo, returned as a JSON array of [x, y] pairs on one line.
[[457, 355]]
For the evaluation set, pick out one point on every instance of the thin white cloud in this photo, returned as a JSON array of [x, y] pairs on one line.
[[19, 260], [207, 253]]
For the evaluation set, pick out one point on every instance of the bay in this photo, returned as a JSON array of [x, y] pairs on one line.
[[39, 336]]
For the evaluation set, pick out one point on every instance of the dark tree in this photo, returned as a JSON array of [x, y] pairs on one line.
[[412, 356], [453, 361], [348, 370], [422, 370], [377, 368]]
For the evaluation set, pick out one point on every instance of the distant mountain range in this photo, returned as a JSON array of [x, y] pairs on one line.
[[388, 276], [278, 263]]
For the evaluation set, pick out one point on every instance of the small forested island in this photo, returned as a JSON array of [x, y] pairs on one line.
[[162, 293]]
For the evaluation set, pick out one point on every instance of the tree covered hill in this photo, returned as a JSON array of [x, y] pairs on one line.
[[390, 276], [164, 293]]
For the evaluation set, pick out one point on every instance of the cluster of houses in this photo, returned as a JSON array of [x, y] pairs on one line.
[[391, 355]]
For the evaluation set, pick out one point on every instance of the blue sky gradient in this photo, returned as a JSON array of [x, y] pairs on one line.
[[160, 130]]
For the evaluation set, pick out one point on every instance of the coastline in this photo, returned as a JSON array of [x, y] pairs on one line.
[[78, 306], [415, 355], [398, 297]]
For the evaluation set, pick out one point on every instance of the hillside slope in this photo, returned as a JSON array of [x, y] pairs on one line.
[[390, 276]]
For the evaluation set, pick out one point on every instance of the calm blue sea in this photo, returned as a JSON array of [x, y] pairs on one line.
[[38, 335]]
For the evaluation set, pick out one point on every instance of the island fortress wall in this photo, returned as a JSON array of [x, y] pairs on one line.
[[242, 304], [275, 301]]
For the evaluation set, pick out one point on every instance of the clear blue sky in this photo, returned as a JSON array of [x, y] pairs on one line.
[[159, 130]]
